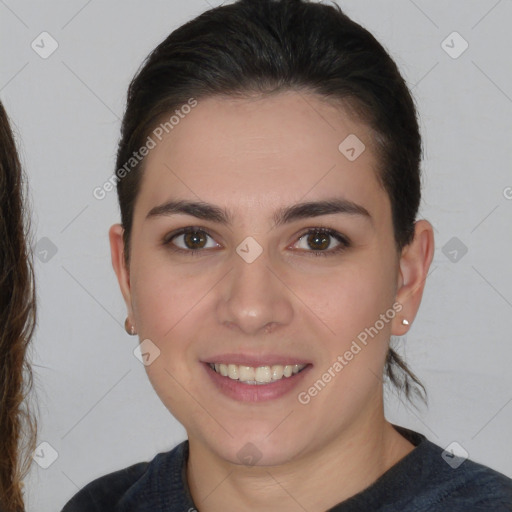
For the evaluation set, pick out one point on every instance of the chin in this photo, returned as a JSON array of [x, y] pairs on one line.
[[258, 448]]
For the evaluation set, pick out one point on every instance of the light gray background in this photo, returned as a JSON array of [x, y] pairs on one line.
[[97, 409]]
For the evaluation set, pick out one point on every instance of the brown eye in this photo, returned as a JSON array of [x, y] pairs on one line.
[[322, 242], [318, 241], [191, 239], [194, 240]]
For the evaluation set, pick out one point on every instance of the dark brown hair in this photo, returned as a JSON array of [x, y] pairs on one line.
[[17, 318], [267, 46]]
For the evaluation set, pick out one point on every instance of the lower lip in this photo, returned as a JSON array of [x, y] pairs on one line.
[[255, 392]]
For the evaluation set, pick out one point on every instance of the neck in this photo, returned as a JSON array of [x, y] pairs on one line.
[[314, 482]]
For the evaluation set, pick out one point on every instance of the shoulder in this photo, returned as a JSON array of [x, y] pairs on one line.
[[107, 492], [448, 482], [432, 479], [473, 486], [104, 492]]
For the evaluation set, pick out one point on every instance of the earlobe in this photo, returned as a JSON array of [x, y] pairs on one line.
[[415, 262], [118, 263]]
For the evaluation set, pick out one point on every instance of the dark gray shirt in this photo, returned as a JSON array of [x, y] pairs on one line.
[[423, 481]]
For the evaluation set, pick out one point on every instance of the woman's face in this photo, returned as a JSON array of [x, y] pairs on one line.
[[270, 284]]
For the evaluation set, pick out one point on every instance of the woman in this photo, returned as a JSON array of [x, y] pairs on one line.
[[268, 178], [18, 316]]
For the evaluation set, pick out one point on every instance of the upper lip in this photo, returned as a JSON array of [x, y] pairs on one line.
[[255, 360]]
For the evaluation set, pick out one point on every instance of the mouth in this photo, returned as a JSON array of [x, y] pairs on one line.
[[257, 375], [235, 378]]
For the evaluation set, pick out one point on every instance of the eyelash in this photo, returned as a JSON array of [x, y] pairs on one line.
[[344, 241]]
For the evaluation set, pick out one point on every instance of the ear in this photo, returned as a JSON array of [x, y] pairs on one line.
[[115, 235], [415, 262]]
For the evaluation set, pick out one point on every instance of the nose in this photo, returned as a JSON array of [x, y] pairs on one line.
[[254, 298]]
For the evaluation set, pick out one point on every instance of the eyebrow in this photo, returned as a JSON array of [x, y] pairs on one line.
[[285, 215]]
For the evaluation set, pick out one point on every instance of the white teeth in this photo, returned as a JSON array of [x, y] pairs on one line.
[[256, 375], [245, 373], [233, 371], [277, 372], [263, 374]]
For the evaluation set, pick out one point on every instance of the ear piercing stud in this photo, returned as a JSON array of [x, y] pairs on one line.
[[405, 321], [129, 328]]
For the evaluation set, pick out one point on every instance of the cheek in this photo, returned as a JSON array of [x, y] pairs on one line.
[[351, 303], [163, 296], [351, 298], [167, 305]]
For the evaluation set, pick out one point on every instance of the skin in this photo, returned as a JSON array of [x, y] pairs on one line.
[[252, 157]]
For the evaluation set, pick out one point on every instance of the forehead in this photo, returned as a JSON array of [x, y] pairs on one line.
[[272, 150]]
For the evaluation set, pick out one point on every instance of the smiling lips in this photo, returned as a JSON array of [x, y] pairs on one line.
[[256, 375]]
